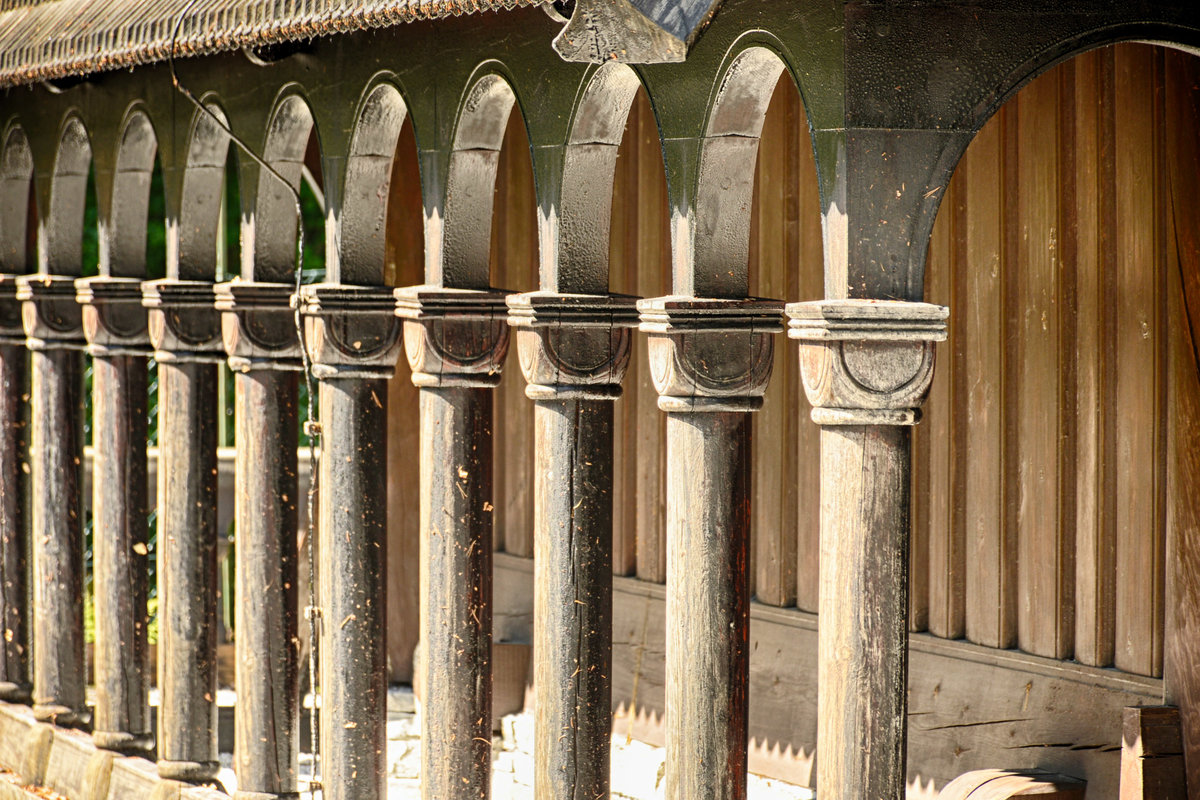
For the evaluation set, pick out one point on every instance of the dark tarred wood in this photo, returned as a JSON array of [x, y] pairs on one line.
[[266, 626], [119, 506], [187, 571], [456, 620], [14, 652], [353, 552], [573, 602], [708, 518], [863, 664], [57, 536]]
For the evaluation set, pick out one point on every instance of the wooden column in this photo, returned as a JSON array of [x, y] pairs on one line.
[[185, 330], [353, 339], [53, 325], [15, 685], [259, 331], [711, 362], [456, 340], [867, 366], [574, 351], [114, 323]]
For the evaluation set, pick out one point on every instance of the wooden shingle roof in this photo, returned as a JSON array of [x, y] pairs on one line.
[[49, 39]]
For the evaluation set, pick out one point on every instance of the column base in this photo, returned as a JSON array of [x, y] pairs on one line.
[[189, 771], [123, 742], [62, 716], [16, 692]]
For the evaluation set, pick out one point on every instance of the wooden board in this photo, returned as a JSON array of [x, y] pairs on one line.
[[405, 266]]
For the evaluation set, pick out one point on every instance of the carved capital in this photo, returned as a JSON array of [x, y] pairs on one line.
[[710, 355], [453, 337], [12, 331], [867, 362], [258, 326], [114, 319], [573, 346], [183, 322], [50, 313], [350, 331]]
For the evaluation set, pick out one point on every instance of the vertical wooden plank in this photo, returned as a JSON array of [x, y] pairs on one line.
[[1044, 543], [404, 267], [810, 286], [1095, 567], [653, 279], [934, 555], [772, 263], [514, 251], [983, 312], [622, 270], [1138, 322], [1181, 681]]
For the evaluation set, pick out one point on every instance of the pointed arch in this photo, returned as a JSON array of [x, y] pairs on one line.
[[203, 189], [269, 244]]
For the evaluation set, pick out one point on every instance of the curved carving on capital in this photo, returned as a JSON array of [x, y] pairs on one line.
[[867, 362], [711, 355], [454, 337], [351, 332], [573, 345], [49, 312], [183, 321], [114, 319], [258, 325]]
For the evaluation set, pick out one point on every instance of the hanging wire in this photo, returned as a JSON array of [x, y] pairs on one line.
[[312, 427]]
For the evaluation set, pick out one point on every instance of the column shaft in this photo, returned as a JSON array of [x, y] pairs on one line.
[[187, 570], [708, 523], [266, 627], [573, 601], [59, 680], [353, 558], [14, 649], [456, 592], [119, 522], [863, 661]]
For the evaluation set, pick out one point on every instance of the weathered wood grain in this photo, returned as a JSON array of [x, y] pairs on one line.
[[774, 272], [405, 266], [1045, 543], [990, 541], [119, 548], [514, 267], [266, 623], [1095, 532], [1152, 755], [1139, 371], [456, 589], [1182, 590], [187, 571], [14, 548], [353, 556]]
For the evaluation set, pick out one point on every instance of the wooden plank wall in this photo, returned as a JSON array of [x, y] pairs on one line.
[[1040, 494]]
